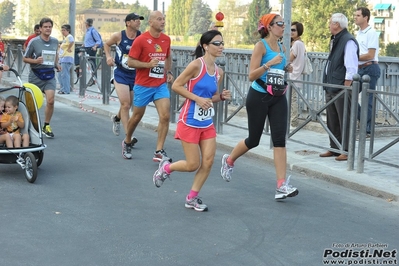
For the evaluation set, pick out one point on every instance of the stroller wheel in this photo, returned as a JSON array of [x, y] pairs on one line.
[[30, 167]]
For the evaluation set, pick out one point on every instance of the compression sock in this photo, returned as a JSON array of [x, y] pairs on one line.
[[280, 182], [167, 169], [230, 161], [192, 194]]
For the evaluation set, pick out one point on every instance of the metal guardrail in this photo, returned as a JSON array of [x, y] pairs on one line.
[[311, 103]]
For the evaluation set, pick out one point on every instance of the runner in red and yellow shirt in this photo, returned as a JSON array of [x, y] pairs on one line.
[[150, 56]]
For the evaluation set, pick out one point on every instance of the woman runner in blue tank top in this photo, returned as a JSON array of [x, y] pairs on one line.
[[195, 127], [267, 66]]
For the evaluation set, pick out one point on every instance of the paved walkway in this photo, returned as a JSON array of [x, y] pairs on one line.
[[377, 180]]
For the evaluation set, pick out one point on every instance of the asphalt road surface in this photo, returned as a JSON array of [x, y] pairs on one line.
[[89, 206]]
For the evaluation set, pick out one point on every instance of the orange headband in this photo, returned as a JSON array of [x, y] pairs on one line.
[[265, 20]]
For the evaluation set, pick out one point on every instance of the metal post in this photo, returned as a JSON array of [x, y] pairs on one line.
[[105, 80], [287, 30], [19, 58], [82, 81], [155, 5], [220, 106], [363, 123], [352, 121], [174, 97]]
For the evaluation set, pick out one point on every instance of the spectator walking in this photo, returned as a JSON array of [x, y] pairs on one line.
[[124, 76], [42, 56], [297, 60], [36, 32], [266, 100], [195, 127], [342, 64], [67, 50], [368, 41], [151, 56]]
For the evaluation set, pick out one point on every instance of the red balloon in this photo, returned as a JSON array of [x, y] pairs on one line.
[[219, 16]]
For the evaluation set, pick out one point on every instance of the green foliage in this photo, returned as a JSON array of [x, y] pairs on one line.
[[234, 18], [178, 16], [392, 49], [315, 15], [255, 11], [6, 9], [200, 18], [141, 10]]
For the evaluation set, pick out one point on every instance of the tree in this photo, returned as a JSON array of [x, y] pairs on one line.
[[392, 49], [255, 11], [234, 17], [177, 18], [200, 18], [315, 15], [6, 9], [141, 10]]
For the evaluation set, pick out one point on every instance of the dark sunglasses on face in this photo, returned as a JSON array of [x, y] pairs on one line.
[[278, 23], [217, 43], [293, 30]]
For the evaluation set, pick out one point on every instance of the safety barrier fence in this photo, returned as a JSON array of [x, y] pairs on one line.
[[311, 103]]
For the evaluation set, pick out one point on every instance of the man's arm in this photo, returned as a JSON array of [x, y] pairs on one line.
[[369, 56], [351, 62], [115, 39]]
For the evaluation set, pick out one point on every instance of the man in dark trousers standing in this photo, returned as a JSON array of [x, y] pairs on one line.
[[342, 64]]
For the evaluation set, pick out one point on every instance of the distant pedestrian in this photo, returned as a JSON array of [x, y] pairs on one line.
[[67, 50], [150, 55], [36, 32], [42, 56], [3, 49], [198, 83], [342, 64], [124, 76], [266, 99], [92, 42], [297, 60], [367, 37]]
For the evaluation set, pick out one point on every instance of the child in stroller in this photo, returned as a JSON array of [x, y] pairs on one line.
[[4, 136], [13, 121]]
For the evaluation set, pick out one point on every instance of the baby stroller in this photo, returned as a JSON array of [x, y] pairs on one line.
[[30, 100]]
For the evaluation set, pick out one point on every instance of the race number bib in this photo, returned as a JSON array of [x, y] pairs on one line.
[[124, 62], [48, 57], [201, 114], [275, 77], [158, 71]]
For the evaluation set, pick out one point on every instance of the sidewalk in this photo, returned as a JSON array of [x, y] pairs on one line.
[[377, 180]]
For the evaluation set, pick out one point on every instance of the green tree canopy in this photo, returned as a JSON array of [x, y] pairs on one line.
[[6, 11], [315, 15], [200, 18], [392, 49], [255, 11]]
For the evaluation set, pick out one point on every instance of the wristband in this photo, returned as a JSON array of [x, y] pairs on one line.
[[170, 72], [265, 67], [221, 97]]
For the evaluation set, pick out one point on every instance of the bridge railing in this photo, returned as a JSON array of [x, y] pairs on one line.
[[311, 103]]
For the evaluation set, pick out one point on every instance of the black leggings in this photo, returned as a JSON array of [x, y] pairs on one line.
[[259, 106]]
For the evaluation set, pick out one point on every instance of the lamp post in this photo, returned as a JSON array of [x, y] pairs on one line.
[[155, 5]]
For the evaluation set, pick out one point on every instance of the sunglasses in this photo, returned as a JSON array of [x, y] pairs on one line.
[[278, 23], [293, 30], [217, 43]]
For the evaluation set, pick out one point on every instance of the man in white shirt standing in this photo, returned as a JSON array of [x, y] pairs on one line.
[[367, 38]]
